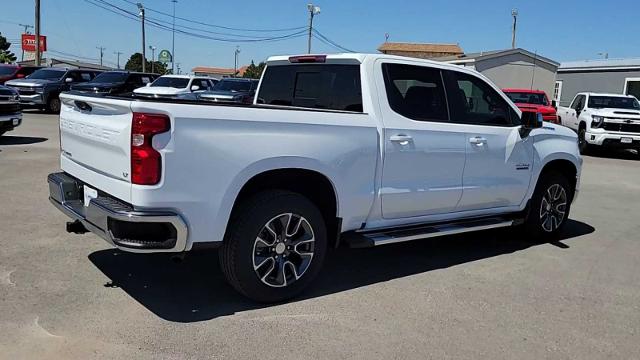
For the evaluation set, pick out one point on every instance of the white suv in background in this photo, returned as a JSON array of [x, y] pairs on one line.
[[603, 120], [173, 85]]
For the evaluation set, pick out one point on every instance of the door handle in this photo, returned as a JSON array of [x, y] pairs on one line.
[[401, 139], [478, 141]]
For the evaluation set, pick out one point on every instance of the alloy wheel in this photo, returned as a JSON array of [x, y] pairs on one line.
[[553, 208], [283, 250]]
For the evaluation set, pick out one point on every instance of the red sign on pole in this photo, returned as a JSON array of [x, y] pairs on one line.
[[29, 42]]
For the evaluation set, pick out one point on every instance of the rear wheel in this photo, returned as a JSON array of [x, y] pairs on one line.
[[275, 246], [53, 105], [550, 207]]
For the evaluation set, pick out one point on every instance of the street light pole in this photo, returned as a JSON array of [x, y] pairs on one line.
[[153, 56], [235, 64], [173, 37], [102, 49], [37, 60], [118, 53], [313, 11], [144, 54], [514, 13]]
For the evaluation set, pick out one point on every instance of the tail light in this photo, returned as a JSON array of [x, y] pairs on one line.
[[146, 162]]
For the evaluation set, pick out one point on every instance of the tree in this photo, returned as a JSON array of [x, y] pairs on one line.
[[6, 56], [135, 64], [253, 71]]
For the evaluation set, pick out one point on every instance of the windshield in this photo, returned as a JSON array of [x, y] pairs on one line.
[[528, 98], [227, 85], [110, 77], [48, 74], [7, 70], [178, 83], [613, 102]]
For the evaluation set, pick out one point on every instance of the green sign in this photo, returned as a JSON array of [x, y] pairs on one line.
[[164, 56]]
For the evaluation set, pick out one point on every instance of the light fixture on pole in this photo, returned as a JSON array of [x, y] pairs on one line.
[[153, 58], [604, 54], [144, 57], [313, 11]]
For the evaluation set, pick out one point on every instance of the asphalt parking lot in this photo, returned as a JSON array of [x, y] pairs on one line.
[[488, 295]]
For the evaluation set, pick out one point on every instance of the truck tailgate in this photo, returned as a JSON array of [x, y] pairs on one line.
[[95, 141]]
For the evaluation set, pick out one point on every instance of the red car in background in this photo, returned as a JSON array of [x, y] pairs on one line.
[[10, 72], [533, 100]]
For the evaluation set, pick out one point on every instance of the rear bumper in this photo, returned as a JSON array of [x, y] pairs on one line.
[[145, 231], [613, 139]]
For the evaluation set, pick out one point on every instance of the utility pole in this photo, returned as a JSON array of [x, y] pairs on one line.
[[144, 53], [173, 37], [153, 56], [313, 11], [37, 28], [235, 66], [118, 53], [102, 49], [514, 13], [26, 31]]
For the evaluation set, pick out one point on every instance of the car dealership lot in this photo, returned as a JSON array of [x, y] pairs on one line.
[[486, 295]]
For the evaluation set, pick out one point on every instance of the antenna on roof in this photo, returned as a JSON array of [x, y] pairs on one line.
[[386, 37]]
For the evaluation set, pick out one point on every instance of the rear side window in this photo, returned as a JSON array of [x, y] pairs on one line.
[[473, 101], [415, 92], [331, 87]]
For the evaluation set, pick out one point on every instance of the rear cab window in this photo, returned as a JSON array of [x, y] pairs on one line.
[[314, 86]]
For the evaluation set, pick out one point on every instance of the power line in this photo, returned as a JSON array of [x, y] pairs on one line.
[[156, 24], [219, 26], [326, 40]]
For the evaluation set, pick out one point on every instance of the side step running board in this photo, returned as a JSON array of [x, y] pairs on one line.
[[416, 232]]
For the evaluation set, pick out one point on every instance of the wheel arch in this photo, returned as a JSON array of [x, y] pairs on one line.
[[310, 182]]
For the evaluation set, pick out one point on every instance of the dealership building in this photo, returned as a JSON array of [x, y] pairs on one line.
[[616, 76]]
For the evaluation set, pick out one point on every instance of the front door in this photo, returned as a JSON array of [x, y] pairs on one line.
[[499, 159], [424, 154]]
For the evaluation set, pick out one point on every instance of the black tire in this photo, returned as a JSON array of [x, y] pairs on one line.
[[2, 133], [53, 105], [241, 244], [537, 227], [583, 145]]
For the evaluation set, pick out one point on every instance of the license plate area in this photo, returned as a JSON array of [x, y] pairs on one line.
[[626, 140]]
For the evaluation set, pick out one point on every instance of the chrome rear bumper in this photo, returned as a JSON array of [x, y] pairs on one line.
[[117, 222]]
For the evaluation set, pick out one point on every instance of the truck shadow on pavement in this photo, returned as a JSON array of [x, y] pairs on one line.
[[195, 290], [20, 140]]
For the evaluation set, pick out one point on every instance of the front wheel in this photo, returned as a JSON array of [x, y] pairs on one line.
[[53, 105], [274, 247], [583, 145], [550, 207]]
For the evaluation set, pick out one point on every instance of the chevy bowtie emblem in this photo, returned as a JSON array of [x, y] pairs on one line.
[[628, 121]]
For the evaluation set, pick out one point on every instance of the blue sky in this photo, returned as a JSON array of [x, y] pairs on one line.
[[560, 30]]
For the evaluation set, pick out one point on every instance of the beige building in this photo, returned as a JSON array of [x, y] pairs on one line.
[[420, 50], [217, 72]]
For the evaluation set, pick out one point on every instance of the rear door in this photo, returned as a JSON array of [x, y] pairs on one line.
[[424, 154], [498, 158]]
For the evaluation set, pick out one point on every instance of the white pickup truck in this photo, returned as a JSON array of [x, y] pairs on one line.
[[603, 120], [361, 149]]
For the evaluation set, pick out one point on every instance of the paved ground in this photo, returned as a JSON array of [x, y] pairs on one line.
[[485, 295]]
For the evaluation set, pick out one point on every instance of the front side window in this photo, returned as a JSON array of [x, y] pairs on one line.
[[110, 77], [318, 86], [578, 103], [473, 101], [415, 92]]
